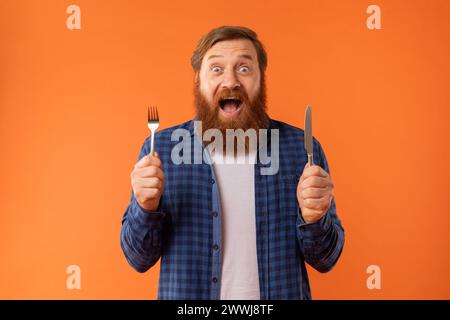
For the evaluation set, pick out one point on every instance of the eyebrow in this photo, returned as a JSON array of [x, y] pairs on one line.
[[246, 56]]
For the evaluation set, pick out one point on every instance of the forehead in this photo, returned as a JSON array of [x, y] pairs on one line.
[[232, 48]]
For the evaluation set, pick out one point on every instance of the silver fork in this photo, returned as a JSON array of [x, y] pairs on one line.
[[153, 124]]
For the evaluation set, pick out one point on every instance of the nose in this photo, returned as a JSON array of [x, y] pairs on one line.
[[230, 81]]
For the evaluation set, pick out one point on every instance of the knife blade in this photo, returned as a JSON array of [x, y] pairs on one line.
[[308, 136]]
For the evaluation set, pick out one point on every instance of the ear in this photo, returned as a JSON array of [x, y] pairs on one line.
[[197, 76]]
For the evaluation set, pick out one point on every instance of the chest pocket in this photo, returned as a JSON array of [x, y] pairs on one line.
[[287, 185]]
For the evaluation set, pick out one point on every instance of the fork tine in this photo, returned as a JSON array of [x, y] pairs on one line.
[[152, 114], [153, 124]]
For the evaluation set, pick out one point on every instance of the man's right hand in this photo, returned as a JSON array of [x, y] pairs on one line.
[[147, 180]]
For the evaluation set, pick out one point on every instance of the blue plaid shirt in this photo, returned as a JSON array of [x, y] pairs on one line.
[[185, 232]]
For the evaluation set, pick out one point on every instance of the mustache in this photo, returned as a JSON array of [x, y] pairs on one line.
[[253, 114]]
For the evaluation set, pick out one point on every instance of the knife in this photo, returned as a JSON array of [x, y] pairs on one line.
[[308, 136]]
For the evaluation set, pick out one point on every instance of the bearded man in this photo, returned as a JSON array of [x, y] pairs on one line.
[[224, 229]]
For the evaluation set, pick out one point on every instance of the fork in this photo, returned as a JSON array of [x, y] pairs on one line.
[[153, 124]]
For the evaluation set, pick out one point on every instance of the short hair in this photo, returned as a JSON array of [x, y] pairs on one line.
[[228, 33]]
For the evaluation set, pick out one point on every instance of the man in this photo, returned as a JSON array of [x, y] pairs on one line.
[[227, 230]]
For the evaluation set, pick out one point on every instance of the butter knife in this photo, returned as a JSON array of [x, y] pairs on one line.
[[308, 136]]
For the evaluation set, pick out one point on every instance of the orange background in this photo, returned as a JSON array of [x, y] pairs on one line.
[[73, 119]]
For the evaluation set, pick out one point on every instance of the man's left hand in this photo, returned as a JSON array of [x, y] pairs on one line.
[[314, 193]]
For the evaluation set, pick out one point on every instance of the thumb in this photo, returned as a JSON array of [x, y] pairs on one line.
[[143, 162]]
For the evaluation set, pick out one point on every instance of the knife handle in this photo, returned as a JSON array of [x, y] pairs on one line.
[[310, 160]]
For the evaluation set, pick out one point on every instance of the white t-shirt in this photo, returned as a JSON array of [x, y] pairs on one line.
[[236, 183]]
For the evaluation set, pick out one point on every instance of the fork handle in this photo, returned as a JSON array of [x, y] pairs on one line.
[[152, 144]]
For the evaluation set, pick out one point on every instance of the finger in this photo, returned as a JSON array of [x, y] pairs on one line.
[[314, 193], [310, 213], [316, 204], [316, 182], [148, 172], [148, 160], [148, 183], [314, 170], [150, 193]]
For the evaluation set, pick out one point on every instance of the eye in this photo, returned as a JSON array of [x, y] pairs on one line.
[[244, 69], [216, 69]]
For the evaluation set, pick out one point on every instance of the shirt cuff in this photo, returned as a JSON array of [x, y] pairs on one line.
[[145, 217], [315, 229]]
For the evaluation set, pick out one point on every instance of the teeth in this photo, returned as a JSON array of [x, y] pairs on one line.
[[230, 98]]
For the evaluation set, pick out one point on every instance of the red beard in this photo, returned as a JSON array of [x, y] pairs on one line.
[[252, 115]]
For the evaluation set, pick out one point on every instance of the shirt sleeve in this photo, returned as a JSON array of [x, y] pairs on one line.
[[321, 242], [141, 234]]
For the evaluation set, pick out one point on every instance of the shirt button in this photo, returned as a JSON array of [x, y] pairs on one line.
[[215, 214], [214, 280], [212, 181], [216, 247]]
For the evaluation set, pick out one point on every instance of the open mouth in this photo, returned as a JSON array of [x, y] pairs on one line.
[[230, 105]]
